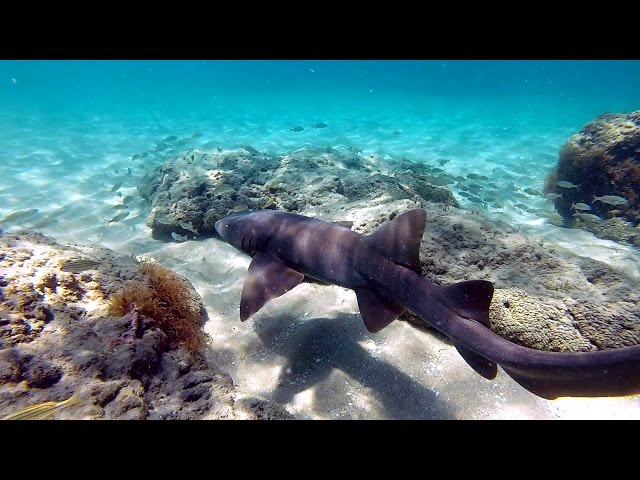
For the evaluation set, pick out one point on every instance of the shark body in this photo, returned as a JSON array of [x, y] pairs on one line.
[[384, 271]]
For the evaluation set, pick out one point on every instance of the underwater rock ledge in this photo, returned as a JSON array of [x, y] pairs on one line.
[[60, 335], [190, 193]]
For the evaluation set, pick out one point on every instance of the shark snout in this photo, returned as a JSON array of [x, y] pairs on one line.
[[220, 226]]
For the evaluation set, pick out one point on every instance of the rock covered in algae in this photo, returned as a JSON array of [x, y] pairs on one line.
[[59, 335], [191, 192], [603, 161]]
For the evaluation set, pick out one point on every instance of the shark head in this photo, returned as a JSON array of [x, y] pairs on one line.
[[244, 231]]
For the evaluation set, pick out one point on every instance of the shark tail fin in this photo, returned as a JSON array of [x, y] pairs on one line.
[[471, 299]]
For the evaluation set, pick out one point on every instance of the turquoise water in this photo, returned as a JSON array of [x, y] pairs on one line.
[[67, 127]]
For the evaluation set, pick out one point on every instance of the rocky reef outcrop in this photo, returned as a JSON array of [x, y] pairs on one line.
[[600, 168], [123, 336], [190, 193]]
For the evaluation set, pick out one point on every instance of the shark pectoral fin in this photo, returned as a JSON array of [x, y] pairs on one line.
[[399, 239], [481, 365], [344, 223], [267, 279], [376, 311], [470, 299]]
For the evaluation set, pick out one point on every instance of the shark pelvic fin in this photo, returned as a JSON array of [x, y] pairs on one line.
[[481, 365], [377, 311], [267, 279]]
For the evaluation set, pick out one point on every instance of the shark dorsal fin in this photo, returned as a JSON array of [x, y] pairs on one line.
[[344, 223], [376, 310], [267, 278], [399, 239]]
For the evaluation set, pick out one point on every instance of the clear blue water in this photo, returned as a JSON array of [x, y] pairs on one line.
[[67, 126]]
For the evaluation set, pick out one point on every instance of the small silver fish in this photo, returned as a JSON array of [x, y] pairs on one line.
[[553, 196], [611, 200], [238, 208], [316, 181], [116, 187], [79, 265], [179, 238], [565, 184], [587, 217], [127, 199], [119, 217], [19, 215], [196, 135], [268, 203], [42, 410], [170, 138], [580, 206], [135, 156], [220, 189], [119, 206], [532, 191]]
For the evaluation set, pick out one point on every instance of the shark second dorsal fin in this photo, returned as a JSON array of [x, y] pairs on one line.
[[344, 223], [267, 279], [399, 239], [377, 311], [470, 299]]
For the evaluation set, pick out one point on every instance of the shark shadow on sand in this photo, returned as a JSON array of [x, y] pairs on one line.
[[314, 348]]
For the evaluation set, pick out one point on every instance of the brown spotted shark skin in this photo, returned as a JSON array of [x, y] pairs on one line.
[[384, 271]]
